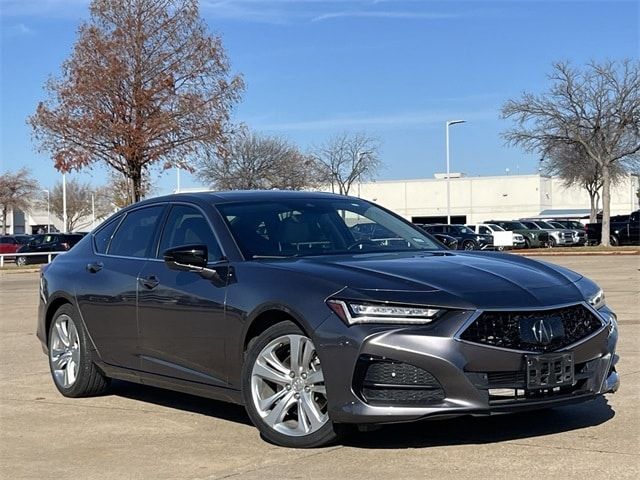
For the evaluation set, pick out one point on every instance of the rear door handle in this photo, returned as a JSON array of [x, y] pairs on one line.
[[149, 282], [94, 267]]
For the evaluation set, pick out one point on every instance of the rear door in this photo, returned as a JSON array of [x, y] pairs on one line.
[[108, 290], [180, 313]]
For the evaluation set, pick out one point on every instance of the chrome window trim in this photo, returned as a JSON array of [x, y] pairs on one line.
[[477, 313]]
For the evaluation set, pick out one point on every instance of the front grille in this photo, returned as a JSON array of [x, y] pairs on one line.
[[381, 381], [534, 331], [568, 236]]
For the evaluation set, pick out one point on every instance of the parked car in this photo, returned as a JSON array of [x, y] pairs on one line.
[[12, 243], [47, 242], [267, 299], [447, 240], [570, 224], [533, 238], [579, 234], [467, 238], [558, 237], [622, 232], [501, 238]]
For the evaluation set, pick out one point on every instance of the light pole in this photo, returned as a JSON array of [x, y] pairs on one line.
[[48, 211], [64, 203], [449, 123], [177, 179], [93, 211]]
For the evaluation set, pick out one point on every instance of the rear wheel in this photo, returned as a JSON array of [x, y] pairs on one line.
[[283, 388], [527, 243], [552, 242], [613, 241], [21, 261], [71, 357]]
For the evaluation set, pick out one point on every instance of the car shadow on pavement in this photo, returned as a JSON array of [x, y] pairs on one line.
[[488, 429], [180, 401]]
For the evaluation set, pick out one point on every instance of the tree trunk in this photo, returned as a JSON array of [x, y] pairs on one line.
[[606, 205], [135, 183], [593, 213], [4, 220]]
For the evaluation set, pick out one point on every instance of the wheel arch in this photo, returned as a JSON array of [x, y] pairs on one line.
[[52, 308], [268, 316]]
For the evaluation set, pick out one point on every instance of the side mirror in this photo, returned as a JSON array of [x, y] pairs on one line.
[[187, 258]]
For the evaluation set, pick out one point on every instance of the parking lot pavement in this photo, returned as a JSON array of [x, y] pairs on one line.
[[142, 432]]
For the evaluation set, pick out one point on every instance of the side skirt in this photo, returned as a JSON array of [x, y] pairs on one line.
[[184, 386]]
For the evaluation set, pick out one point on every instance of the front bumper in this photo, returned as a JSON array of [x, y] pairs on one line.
[[464, 370]]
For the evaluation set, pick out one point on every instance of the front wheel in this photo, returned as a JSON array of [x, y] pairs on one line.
[[283, 388], [21, 261], [468, 245], [552, 242]]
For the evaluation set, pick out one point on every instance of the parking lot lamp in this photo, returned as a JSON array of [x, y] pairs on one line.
[[449, 123], [48, 210]]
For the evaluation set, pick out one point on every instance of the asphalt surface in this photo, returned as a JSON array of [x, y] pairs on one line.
[[143, 432]]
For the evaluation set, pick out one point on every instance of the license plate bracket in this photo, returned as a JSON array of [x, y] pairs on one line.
[[549, 370]]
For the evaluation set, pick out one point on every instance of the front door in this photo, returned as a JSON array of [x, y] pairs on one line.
[[181, 313]]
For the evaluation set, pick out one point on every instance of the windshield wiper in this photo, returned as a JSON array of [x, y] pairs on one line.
[[259, 257]]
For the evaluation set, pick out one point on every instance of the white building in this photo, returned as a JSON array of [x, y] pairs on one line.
[[476, 199]]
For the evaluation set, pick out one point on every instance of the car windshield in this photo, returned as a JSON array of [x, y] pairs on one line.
[[514, 226], [496, 227], [546, 225], [303, 227]]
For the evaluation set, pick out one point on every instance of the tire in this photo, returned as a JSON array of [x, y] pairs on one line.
[[527, 243], [267, 373], [469, 245], [21, 261], [552, 242], [613, 241], [72, 357]]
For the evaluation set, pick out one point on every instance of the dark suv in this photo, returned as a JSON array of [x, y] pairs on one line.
[[467, 238], [48, 242]]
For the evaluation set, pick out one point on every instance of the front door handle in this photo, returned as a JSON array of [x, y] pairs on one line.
[[149, 282]]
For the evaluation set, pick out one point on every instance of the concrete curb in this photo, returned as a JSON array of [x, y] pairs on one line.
[[19, 270], [572, 254]]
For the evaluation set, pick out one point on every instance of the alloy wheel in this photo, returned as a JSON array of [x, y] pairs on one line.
[[64, 351], [287, 386]]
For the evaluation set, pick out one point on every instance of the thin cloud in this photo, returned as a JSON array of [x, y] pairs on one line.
[[393, 120], [386, 14], [17, 30]]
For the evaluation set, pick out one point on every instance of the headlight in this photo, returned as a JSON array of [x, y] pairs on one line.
[[354, 312], [596, 300]]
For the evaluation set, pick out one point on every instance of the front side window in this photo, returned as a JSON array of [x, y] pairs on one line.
[[485, 231], [187, 226], [319, 226], [135, 235]]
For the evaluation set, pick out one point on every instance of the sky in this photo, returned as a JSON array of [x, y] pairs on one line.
[[396, 69]]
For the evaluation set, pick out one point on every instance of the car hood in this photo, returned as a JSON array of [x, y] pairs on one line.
[[462, 280]]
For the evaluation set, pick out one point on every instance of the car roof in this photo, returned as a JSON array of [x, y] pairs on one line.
[[245, 196]]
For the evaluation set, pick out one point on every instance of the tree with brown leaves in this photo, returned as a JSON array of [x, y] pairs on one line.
[[253, 162], [596, 110], [146, 84], [18, 191]]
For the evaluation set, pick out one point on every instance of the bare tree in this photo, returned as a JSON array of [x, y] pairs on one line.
[[349, 158], [597, 109], [18, 191], [80, 208], [259, 162], [576, 168], [146, 84]]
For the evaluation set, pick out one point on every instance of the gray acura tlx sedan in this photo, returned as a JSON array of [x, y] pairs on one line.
[[276, 301]]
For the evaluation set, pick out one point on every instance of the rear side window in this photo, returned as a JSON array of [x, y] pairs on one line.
[[102, 238], [135, 235], [188, 226]]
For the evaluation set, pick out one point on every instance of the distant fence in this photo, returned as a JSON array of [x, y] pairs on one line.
[[14, 256]]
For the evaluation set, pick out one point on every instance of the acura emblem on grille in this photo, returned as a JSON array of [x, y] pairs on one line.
[[542, 331]]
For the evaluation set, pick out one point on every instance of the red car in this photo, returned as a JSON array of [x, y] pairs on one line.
[[11, 243]]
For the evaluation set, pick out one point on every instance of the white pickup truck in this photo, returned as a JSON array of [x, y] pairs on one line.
[[501, 238]]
